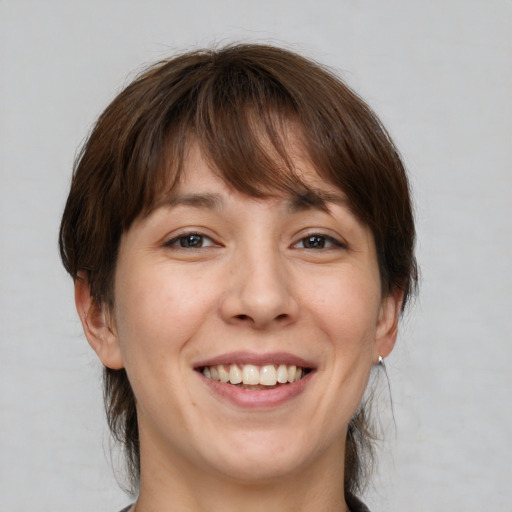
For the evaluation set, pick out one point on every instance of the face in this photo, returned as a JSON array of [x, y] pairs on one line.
[[247, 327]]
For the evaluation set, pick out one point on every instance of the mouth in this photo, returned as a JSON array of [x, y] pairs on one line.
[[255, 377]]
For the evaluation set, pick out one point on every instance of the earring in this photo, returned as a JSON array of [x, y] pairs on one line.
[[380, 361]]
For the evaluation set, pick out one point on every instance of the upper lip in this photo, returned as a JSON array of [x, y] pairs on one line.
[[256, 359]]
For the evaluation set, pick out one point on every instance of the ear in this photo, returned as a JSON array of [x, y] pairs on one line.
[[387, 324], [98, 325]]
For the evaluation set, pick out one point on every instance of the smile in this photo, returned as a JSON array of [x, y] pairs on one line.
[[252, 381], [251, 375]]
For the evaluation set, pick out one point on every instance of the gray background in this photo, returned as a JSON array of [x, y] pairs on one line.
[[439, 73]]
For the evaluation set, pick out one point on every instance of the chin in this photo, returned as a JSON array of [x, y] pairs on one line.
[[261, 470], [255, 458]]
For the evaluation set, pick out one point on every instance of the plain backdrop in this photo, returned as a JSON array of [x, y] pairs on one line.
[[438, 72]]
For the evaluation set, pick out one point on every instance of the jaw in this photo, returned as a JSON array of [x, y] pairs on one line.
[[238, 449], [270, 477]]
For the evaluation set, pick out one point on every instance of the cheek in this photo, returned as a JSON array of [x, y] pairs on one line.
[[161, 310], [346, 306]]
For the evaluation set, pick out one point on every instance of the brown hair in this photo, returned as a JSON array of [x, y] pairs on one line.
[[235, 102]]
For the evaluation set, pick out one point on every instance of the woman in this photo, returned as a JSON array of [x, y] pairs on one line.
[[240, 234]]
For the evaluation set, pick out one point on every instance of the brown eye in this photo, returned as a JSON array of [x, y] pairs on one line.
[[314, 242], [190, 241], [318, 241]]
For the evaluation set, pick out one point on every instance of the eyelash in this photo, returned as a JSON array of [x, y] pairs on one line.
[[176, 242], [321, 239], [332, 242]]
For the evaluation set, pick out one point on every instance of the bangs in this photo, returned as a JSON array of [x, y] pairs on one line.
[[247, 131], [244, 115], [254, 112], [251, 110]]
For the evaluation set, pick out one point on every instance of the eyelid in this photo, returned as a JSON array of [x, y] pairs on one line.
[[337, 242], [172, 241], [334, 241]]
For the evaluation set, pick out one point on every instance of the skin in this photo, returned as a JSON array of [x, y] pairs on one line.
[[252, 285]]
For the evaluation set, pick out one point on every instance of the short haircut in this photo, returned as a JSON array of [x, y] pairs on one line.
[[235, 102]]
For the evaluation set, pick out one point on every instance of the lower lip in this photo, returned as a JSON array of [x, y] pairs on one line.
[[258, 398]]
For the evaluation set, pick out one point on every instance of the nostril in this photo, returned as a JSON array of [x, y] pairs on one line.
[[246, 317]]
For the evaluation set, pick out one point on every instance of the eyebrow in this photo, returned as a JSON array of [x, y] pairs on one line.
[[310, 200], [204, 201], [315, 200]]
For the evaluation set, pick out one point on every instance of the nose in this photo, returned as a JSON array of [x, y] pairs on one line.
[[260, 291]]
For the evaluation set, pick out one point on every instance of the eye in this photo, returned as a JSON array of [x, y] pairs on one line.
[[318, 241], [190, 241]]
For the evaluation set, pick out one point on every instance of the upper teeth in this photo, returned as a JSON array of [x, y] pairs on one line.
[[268, 375]]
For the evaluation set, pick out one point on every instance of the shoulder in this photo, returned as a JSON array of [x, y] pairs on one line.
[[355, 504]]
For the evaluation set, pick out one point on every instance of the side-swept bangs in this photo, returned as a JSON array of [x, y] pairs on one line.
[[235, 102], [239, 104]]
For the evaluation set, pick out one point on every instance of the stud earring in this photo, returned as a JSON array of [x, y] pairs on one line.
[[381, 361]]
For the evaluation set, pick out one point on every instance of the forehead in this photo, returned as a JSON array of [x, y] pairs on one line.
[[200, 183], [199, 167]]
